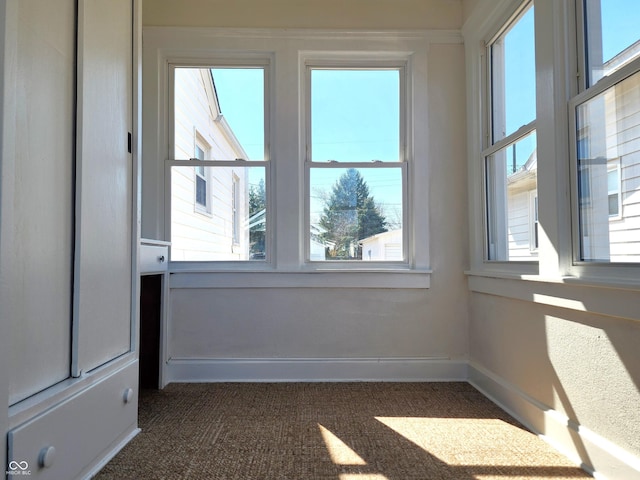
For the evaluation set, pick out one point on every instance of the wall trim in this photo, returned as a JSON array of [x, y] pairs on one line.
[[450, 36], [405, 279], [396, 369], [594, 453], [563, 293]]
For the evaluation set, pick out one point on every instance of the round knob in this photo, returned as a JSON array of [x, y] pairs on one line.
[[46, 456], [127, 395], [161, 258]]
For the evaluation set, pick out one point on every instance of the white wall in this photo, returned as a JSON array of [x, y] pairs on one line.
[[214, 326], [557, 350], [352, 14]]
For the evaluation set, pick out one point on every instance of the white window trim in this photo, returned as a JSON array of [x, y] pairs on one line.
[[557, 60], [402, 63], [614, 271], [510, 15], [285, 172]]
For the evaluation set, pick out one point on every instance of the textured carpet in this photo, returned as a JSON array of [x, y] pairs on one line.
[[340, 431]]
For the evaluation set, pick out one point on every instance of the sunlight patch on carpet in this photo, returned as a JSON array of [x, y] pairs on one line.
[[340, 452]]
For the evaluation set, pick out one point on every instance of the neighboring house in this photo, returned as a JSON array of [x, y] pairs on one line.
[[610, 174], [208, 204], [522, 201], [383, 246]]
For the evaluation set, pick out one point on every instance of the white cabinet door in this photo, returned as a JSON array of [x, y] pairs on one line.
[[102, 307], [36, 188]]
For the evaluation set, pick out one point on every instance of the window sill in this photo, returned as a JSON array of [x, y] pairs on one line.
[[261, 278], [598, 296]]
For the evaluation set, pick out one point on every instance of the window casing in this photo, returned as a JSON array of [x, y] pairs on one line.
[[356, 162], [283, 223], [226, 189], [510, 151], [605, 138]]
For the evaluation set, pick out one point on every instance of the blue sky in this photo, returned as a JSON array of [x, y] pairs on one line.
[[620, 25]]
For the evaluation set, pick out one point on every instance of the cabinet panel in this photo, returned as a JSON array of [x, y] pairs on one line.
[[37, 211], [81, 430], [102, 316]]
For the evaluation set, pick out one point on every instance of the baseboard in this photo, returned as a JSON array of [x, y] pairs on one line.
[[592, 452], [315, 370]]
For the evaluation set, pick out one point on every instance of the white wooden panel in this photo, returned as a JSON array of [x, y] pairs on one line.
[[37, 211], [153, 258], [82, 429], [102, 321]]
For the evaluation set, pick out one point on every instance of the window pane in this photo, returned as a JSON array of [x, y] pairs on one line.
[[356, 214], [608, 127], [513, 77], [224, 107], [511, 185], [233, 228], [613, 37], [355, 115]]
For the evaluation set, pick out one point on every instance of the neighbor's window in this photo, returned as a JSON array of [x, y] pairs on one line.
[[202, 203], [607, 135], [218, 113], [510, 153], [356, 164]]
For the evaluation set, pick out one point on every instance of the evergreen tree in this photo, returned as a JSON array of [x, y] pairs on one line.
[[350, 214]]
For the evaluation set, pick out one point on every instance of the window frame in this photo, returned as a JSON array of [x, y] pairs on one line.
[[579, 266], [625, 272], [490, 147], [357, 62], [206, 208], [285, 179], [240, 60]]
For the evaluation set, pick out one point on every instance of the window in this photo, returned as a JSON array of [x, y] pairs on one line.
[[606, 122], [356, 163], [613, 187], [231, 189], [510, 154], [533, 208], [202, 203], [318, 130]]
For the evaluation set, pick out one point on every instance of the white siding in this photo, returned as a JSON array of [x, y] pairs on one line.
[[198, 233]]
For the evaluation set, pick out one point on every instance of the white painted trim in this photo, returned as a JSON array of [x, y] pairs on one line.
[[312, 279], [119, 444], [431, 36], [601, 299], [409, 369], [586, 448]]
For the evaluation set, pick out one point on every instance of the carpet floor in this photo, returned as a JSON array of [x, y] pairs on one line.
[[339, 431]]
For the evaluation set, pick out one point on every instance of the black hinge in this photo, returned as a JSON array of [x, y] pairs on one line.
[[129, 142]]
